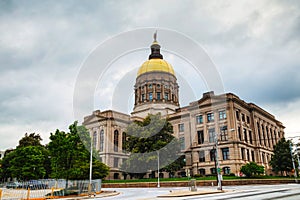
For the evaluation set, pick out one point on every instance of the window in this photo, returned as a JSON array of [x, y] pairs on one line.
[[212, 155], [158, 96], [101, 140], [263, 134], [202, 171], [182, 145], [243, 117], [158, 86], [116, 140], [213, 171], [240, 135], [116, 162], [243, 153], [248, 154], [248, 119], [143, 97], [225, 153], [199, 119], [224, 133], [95, 139], [252, 155], [210, 117], [258, 130], [181, 127], [222, 114], [211, 134], [166, 96], [250, 137], [124, 138], [237, 114], [150, 86], [200, 137], [245, 135], [226, 170], [201, 156], [150, 96]]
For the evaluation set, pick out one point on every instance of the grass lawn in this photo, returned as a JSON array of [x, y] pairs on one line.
[[186, 179]]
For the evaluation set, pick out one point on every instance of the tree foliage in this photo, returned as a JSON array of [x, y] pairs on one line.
[[73, 163], [281, 161], [30, 140], [145, 141], [252, 168]]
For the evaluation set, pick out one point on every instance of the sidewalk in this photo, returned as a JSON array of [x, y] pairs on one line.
[[101, 195], [189, 193]]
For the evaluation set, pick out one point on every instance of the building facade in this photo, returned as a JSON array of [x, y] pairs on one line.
[[244, 131]]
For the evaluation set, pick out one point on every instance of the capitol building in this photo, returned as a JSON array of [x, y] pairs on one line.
[[245, 131]]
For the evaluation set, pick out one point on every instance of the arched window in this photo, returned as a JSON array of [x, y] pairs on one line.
[[95, 139], [202, 171], [101, 140], [226, 170], [116, 140]]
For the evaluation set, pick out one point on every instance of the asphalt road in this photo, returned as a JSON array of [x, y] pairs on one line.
[[257, 192]]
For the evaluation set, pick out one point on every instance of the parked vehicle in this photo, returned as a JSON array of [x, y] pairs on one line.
[[33, 185], [12, 185]]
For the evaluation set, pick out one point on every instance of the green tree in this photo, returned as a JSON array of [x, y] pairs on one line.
[[281, 160], [73, 163], [252, 168], [28, 163], [30, 140], [145, 141]]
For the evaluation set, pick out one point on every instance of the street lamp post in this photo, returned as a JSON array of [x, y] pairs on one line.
[[293, 161], [91, 167], [158, 184], [218, 164]]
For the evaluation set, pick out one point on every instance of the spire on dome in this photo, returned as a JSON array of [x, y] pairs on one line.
[[155, 48]]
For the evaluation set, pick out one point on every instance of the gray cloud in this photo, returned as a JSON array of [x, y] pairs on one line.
[[254, 44]]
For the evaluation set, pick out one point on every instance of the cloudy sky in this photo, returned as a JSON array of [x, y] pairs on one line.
[[255, 46]]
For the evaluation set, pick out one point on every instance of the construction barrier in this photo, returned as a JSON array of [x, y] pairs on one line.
[[48, 189]]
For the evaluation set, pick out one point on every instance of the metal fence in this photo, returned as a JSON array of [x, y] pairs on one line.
[[43, 189]]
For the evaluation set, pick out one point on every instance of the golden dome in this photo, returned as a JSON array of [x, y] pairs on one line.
[[156, 64]]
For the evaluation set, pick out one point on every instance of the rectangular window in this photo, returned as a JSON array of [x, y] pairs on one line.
[[181, 127], [225, 153], [250, 137], [210, 117], [211, 134], [222, 114], [212, 155], [95, 140], [252, 155], [201, 156], [224, 133], [150, 86], [237, 114], [199, 119], [243, 117], [143, 97], [116, 162], [150, 96], [158, 95], [182, 143], [243, 153], [245, 135], [248, 119], [200, 137], [239, 132], [166, 96], [202, 171], [248, 154]]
